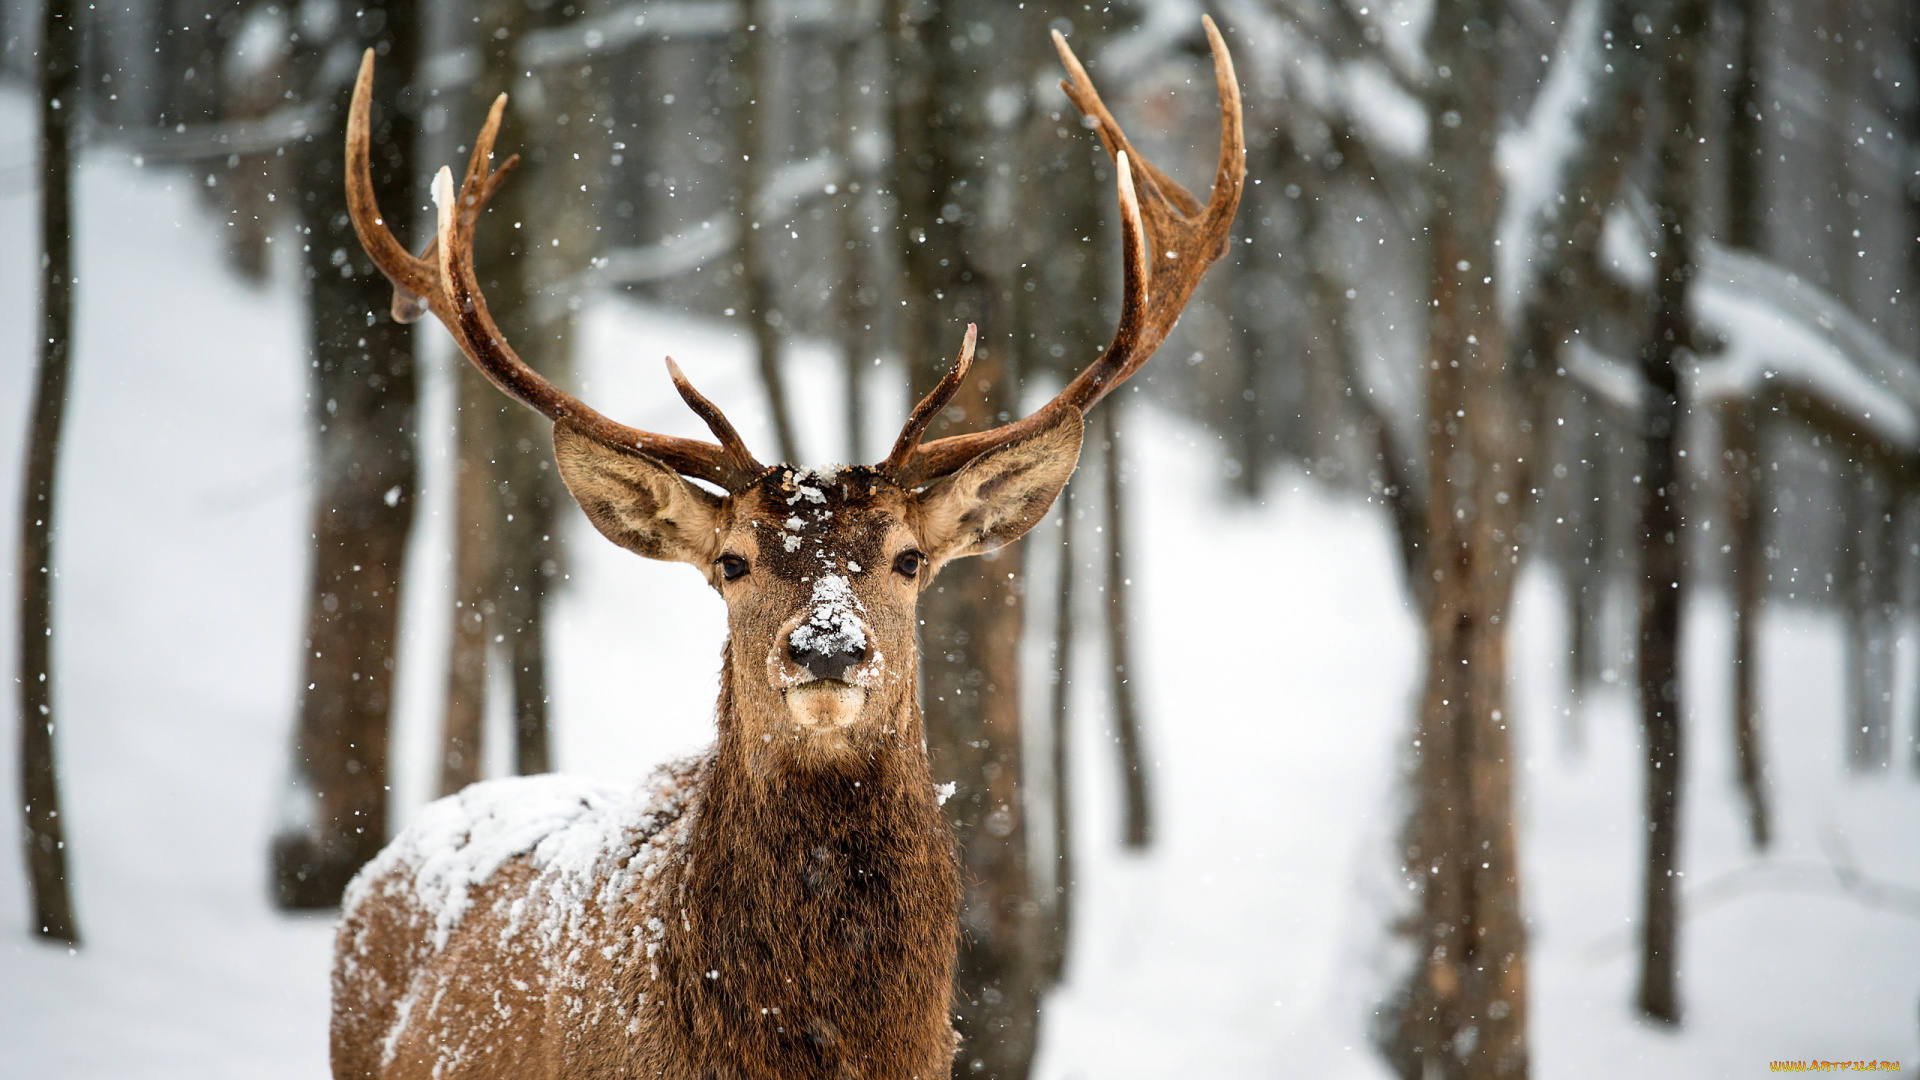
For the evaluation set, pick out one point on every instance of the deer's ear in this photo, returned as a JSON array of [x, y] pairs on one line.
[[637, 502], [995, 498]]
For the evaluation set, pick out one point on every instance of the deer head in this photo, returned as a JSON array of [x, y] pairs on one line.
[[820, 570]]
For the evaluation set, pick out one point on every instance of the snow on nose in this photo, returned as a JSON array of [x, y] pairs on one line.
[[832, 638]]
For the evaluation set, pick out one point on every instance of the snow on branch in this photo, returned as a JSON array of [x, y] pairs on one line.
[[1536, 159], [1612, 380], [1391, 118], [1163, 25], [632, 23], [1782, 330], [1348, 83], [792, 186], [196, 142]]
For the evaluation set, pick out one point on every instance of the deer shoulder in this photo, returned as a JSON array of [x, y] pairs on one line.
[[513, 899]]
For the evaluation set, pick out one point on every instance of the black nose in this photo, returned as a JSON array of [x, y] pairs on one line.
[[828, 656]]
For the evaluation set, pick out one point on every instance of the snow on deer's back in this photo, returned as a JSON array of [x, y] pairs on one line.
[[524, 877]]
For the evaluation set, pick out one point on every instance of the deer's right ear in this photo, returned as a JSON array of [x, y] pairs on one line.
[[1002, 493], [637, 502]]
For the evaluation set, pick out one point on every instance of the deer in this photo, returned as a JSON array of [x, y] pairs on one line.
[[784, 904]]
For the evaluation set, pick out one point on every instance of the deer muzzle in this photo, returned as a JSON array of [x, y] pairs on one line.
[[824, 704], [824, 661], [829, 697]]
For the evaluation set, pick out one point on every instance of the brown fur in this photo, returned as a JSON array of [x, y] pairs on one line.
[[783, 907]]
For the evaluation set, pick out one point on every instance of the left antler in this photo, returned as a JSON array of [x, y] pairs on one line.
[[441, 280], [1185, 237]]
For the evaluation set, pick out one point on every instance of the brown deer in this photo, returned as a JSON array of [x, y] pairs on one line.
[[785, 904]]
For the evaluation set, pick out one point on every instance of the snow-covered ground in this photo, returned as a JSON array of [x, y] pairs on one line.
[[1279, 660]]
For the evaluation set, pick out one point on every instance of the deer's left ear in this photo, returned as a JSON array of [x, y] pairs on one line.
[[995, 498]]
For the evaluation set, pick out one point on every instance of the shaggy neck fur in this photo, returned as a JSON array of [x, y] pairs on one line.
[[816, 909]]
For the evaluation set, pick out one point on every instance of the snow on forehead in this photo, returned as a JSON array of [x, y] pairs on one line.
[[822, 512], [804, 487], [812, 484]]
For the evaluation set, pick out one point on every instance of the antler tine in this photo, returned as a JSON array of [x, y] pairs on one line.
[[483, 147], [412, 278], [1123, 355], [480, 339], [442, 280], [1186, 238], [415, 280], [730, 441], [406, 306], [930, 406]]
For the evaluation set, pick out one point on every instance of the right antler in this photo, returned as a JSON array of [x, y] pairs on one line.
[[441, 279], [1186, 239]]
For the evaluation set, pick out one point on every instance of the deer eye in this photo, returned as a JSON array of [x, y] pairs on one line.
[[732, 567], [908, 564]]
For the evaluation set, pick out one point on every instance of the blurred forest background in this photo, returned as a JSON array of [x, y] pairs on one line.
[[1602, 306]]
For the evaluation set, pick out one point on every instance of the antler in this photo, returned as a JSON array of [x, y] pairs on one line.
[[442, 280], [1186, 237]]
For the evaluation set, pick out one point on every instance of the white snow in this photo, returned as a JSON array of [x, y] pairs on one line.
[[1533, 159], [261, 45], [833, 625], [1617, 381], [1277, 695], [1780, 327], [1625, 249], [1392, 120], [584, 842], [458, 842]]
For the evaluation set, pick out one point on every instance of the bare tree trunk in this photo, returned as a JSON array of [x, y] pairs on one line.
[[1464, 1013], [483, 420], [476, 560], [45, 832], [1137, 828], [1746, 495], [1912, 132], [528, 574], [1241, 296], [762, 285], [506, 551], [1398, 479], [555, 243], [1835, 131], [1746, 135], [364, 397], [1587, 561], [1060, 763], [1906, 575], [1064, 281], [1866, 582], [1567, 278], [1661, 533], [1746, 475], [853, 299], [948, 55]]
